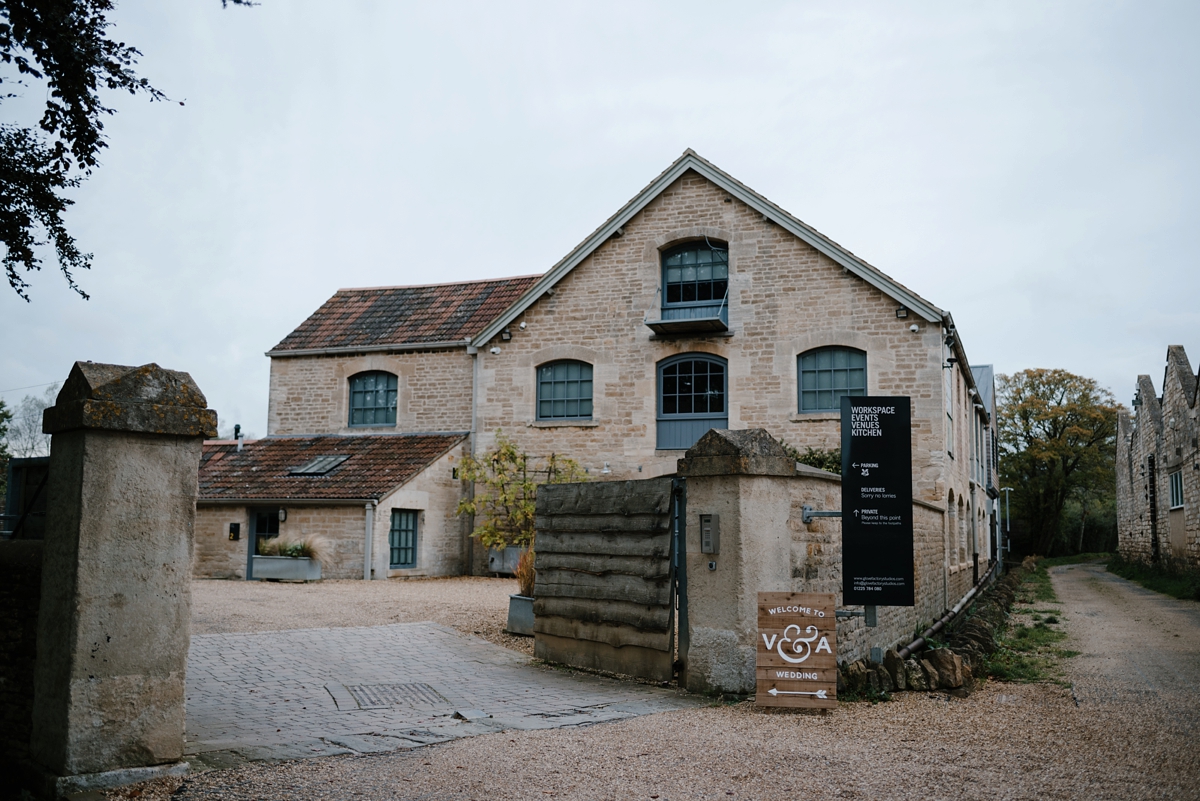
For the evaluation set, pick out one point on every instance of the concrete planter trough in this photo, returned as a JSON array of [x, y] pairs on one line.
[[286, 568], [520, 615]]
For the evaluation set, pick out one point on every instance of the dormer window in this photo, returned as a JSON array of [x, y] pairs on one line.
[[695, 289]]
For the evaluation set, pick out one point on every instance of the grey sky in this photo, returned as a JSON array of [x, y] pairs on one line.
[[1032, 167]]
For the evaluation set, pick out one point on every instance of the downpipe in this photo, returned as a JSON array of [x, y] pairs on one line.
[[919, 643]]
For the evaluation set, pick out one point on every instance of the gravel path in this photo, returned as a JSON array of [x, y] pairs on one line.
[[1003, 742], [471, 605]]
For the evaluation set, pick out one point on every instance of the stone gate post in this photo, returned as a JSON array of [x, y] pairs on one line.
[[748, 481], [113, 629]]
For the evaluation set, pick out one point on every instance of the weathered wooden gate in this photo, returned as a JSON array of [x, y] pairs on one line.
[[609, 574]]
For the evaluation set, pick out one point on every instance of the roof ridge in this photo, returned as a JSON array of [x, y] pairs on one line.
[[443, 283]]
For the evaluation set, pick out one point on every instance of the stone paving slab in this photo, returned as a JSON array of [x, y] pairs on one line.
[[283, 694]]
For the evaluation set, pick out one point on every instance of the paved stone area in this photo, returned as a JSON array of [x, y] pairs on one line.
[[319, 692]]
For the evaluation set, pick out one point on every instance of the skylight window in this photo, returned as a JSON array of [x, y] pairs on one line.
[[318, 467]]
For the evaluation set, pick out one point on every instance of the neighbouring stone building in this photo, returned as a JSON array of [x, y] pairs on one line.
[[1158, 476], [699, 304]]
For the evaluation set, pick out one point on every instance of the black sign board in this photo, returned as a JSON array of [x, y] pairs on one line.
[[877, 523]]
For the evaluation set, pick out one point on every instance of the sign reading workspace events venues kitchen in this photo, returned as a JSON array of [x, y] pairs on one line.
[[796, 659], [877, 521]]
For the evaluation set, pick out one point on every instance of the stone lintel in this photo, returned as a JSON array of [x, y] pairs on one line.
[[721, 452], [147, 399]]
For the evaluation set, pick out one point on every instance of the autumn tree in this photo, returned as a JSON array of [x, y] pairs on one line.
[[506, 481], [61, 48], [1057, 445]]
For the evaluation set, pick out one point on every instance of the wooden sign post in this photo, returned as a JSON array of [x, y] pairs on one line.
[[796, 659]]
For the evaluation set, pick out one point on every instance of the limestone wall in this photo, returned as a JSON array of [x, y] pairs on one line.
[[310, 394], [441, 534], [785, 298], [1157, 439]]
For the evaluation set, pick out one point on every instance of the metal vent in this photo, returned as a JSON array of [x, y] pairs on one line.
[[378, 696]]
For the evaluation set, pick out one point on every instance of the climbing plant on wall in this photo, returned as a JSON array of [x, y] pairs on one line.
[[506, 481]]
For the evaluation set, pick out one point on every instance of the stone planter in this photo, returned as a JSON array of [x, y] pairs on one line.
[[520, 615], [286, 568]]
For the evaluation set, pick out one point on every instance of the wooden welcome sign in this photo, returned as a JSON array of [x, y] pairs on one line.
[[796, 659]]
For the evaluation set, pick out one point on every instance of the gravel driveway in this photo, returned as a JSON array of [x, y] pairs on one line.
[[1004, 741]]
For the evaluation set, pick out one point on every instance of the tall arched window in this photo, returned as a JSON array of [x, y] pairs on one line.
[[825, 375], [564, 391], [373, 399], [692, 398]]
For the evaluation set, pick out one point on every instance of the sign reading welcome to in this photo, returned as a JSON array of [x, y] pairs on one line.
[[877, 519], [796, 661]]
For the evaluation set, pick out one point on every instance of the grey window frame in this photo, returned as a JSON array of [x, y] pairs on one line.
[[715, 306], [801, 370], [1175, 480], [395, 531], [566, 383], [388, 408], [680, 430]]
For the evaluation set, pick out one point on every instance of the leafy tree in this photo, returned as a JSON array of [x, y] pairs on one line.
[[5, 417], [25, 436], [1057, 445], [65, 46], [506, 481]]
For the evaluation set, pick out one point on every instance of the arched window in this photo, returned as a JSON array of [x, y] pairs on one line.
[[692, 398], [695, 285], [373, 399], [564, 391], [825, 375]]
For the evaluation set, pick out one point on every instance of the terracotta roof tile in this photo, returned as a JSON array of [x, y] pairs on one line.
[[377, 464], [406, 315]]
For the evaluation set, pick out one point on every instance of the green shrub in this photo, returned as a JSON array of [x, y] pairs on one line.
[[1169, 576]]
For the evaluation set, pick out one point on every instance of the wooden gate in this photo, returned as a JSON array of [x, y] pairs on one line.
[[607, 577]]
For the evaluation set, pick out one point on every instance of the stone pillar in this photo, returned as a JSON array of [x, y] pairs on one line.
[[113, 630], [747, 479]]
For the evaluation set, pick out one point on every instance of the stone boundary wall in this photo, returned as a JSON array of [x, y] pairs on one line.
[[20, 598], [603, 593]]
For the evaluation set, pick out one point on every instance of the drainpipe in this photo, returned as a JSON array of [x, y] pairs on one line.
[[368, 537], [474, 354]]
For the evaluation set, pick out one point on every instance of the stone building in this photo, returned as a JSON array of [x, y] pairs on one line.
[[699, 304], [1158, 476]]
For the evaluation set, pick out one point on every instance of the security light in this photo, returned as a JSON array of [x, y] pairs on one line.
[[901, 313], [506, 335]]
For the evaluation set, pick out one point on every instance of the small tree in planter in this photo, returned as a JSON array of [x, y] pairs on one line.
[[506, 481]]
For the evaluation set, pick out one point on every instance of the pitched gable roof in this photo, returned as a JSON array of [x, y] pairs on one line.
[[264, 469], [380, 318], [690, 160]]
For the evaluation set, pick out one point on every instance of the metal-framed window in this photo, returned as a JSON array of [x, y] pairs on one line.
[[695, 272], [692, 392], [564, 391], [825, 375], [373, 399], [1176, 479], [403, 538]]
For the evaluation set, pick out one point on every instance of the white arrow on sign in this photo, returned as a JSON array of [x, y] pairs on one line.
[[818, 693]]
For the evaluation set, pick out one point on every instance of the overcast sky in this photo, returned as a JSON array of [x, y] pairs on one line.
[[1030, 166]]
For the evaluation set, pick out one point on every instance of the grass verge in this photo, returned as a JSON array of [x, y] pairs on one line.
[[1168, 577], [1029, 649]]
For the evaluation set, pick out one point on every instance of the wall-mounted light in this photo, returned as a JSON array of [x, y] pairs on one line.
[[606, 469], [506, 335], [282, 515], [901, 313]]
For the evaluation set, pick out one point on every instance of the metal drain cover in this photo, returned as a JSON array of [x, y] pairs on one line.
[[378, 696]]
